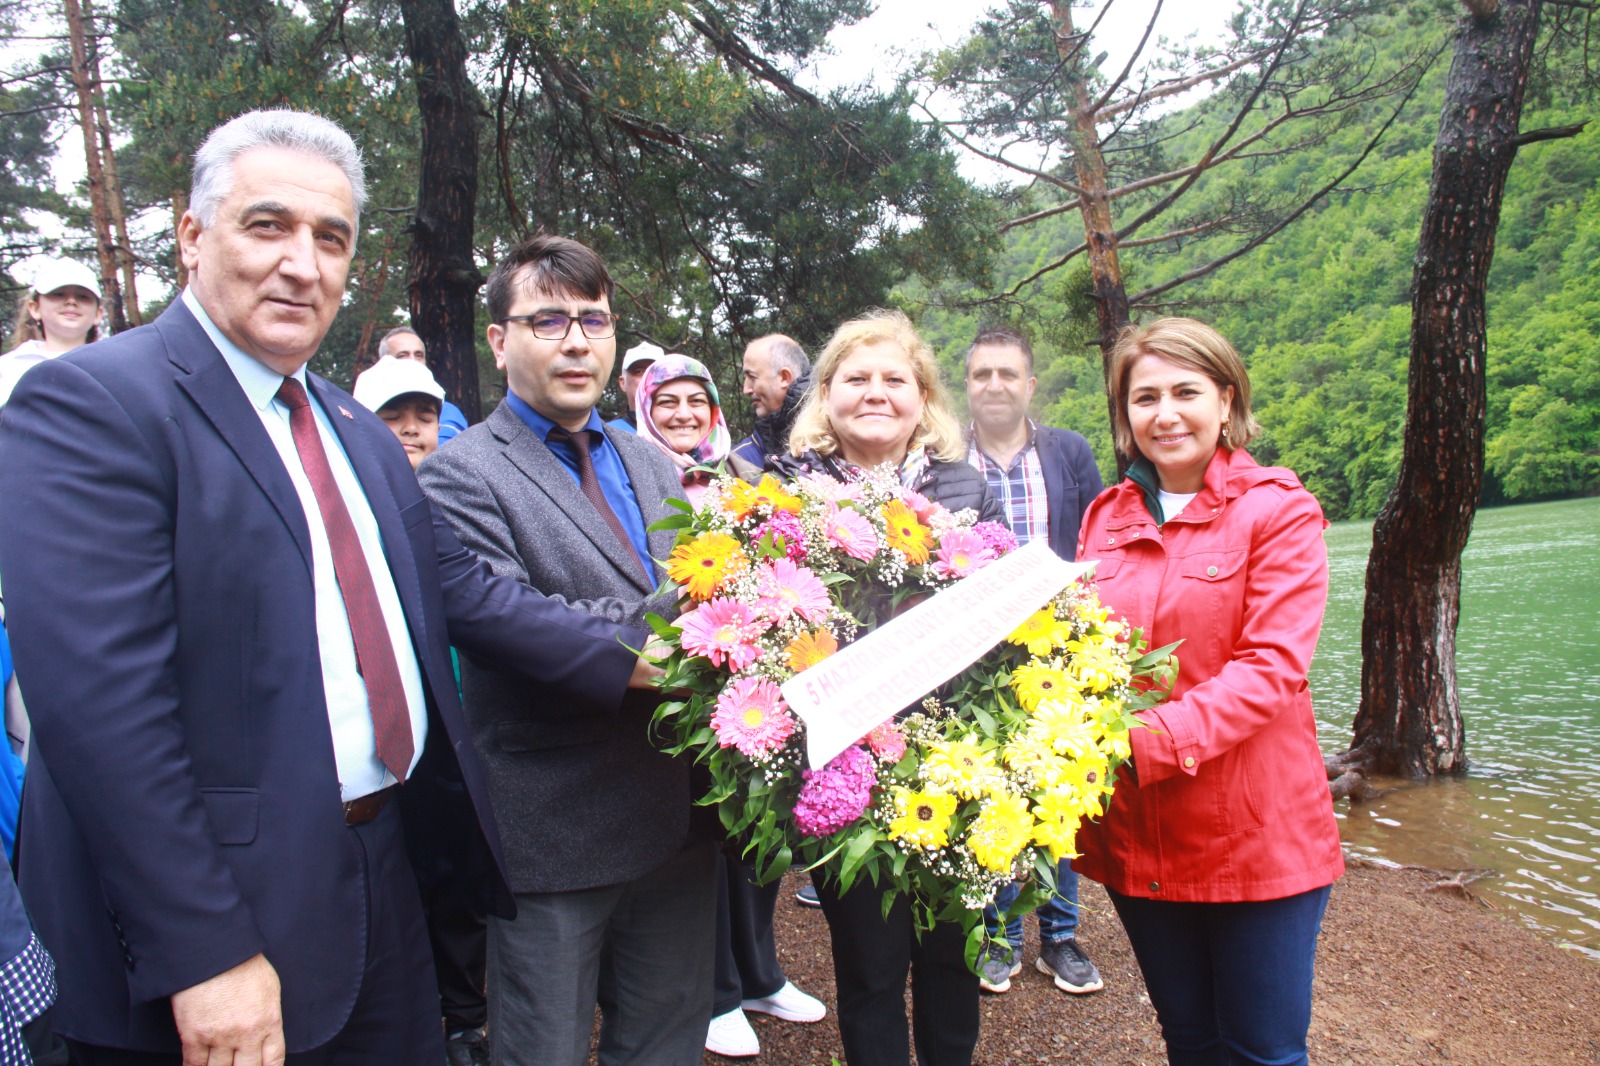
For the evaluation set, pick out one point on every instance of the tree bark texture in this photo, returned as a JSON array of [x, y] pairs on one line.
[[1094, 201], [1409, 722], [105, 246], [444, 279], [117, 203]]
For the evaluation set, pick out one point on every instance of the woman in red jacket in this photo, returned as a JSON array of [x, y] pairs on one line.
[[1220, 846]]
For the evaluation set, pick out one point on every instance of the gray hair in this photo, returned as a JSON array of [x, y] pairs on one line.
[[786, 352], [398, 331], [299, 131]]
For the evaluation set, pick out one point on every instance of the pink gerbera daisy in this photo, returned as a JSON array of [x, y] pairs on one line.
[[887, 742], [722, 630], [752, 717], [961, 551], [849, 531], [787, 590]]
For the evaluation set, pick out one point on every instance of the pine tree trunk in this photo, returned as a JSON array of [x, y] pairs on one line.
[[105, 247], [1409, 722], [1094, 204], [115, 201], [444, 279]]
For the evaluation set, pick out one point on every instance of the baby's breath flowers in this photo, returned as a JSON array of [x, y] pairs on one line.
[[988, 780]]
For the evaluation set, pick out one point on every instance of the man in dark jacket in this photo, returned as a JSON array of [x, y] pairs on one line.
[[776, 375], [1044, 479]]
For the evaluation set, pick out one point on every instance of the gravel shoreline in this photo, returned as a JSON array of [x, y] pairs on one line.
[[1405, 974]]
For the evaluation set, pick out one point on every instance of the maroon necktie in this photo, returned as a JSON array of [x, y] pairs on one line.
[[590, 484], [386, 697]]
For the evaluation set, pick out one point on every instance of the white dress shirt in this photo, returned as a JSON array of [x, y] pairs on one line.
[[355, 750]]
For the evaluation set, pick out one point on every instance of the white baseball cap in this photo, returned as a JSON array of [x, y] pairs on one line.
[[390, 377], [643, 353], [60, 273]]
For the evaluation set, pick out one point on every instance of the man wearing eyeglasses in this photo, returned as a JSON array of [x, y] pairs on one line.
[[615, 892]]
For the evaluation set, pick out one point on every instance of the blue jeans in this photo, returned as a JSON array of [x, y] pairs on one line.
[[1058, 915], [1230, 982]]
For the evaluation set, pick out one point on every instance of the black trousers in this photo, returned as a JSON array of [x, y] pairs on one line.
[[747, 954], [871, 958], [458, 930]]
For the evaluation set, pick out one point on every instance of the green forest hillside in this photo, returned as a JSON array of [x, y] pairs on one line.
[[1322, 313]]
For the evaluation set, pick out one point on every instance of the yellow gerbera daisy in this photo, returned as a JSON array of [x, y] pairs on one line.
[[905, 533], [1031, 754], [1040, 680], [924, 819], [960, 766], [1002, 829], [1057, 826], [702, 565], [809, 649], [1040, 633]]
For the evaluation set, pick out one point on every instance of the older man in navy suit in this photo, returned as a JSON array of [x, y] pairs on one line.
[[231, 608], [1045, 478]]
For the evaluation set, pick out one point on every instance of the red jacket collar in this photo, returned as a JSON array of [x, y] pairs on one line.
[[1230, 474]]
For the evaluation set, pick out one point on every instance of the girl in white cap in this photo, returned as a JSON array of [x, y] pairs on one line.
[[60, 313]]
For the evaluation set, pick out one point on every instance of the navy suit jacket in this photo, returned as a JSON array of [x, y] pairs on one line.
[[1071, 482], [183, 810]]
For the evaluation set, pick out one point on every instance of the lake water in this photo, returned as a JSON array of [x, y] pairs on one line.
[[1528, 660]]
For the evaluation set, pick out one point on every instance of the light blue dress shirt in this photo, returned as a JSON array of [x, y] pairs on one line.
[[355, 750]]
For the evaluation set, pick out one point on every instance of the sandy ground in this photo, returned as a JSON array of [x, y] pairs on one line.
[[1405, 974]]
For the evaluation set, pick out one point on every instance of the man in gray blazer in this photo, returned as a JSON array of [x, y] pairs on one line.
[[615, 893]]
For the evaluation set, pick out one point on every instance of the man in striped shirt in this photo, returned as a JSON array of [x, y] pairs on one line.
[[1044, 479]]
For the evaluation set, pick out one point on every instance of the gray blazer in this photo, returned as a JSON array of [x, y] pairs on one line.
[[583, 800]]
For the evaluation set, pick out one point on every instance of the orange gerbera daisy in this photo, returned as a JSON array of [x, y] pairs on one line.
[[703, 564], [809, 649], [911, 537], [771, 493]]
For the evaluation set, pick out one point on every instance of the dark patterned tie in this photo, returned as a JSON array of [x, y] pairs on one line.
[[386, 697], [581, 443]]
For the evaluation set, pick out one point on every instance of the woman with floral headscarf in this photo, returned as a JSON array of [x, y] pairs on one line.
[[679, 409]]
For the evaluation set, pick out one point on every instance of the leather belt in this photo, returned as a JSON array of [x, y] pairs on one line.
[[364, 809]]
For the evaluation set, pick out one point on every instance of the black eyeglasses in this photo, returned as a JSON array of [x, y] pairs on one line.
[[554, 326]]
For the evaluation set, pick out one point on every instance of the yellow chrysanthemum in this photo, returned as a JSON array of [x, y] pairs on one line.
[[960, 766], [809, 649], [1067, 729], [702, 565], [770, 493], [1057, 827], [1003, 828], [1033, 755], [924, 819], [1040, 632], [905, 533], [1097, 664], [1039, 680]]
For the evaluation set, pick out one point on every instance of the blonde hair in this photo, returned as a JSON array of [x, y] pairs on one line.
[[937, 430], [1189, 343]]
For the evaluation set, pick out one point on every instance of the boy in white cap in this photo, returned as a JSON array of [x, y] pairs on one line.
[[60, 313], [404, 394]]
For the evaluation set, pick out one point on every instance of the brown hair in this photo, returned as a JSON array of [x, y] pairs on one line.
[[1189, 343], [555, 264]]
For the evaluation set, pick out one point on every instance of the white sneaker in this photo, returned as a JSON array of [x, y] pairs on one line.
[[730, 1035], [790, 1004]]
